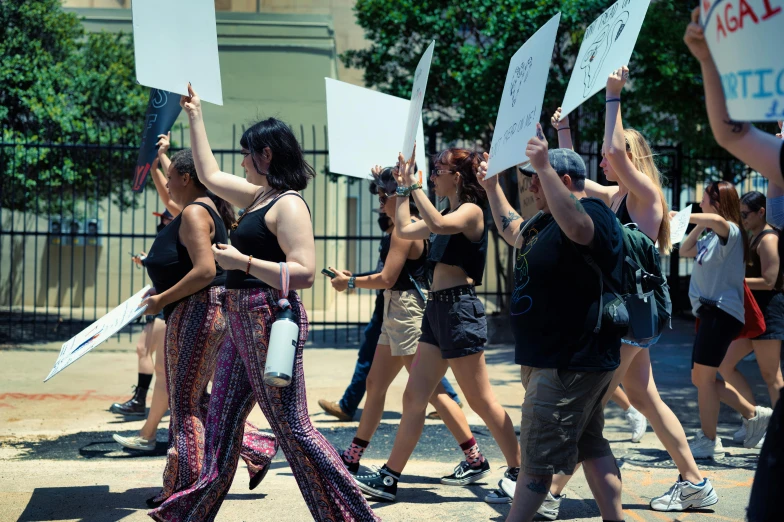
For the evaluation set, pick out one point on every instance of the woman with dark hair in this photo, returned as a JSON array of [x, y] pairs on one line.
[[273, 250], [405, 281], [764, 278], [454, 328], [720, 248], [187, 287]]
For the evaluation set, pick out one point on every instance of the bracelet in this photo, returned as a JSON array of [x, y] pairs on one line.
[[247, 270], [403, 191], [563, 128], [415, 186], [609, 100], [352, 281]]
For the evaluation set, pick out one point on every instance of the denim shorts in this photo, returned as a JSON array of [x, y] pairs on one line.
[[457, 326]]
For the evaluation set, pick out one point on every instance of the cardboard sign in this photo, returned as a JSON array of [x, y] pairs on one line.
[[176, 42], [525, 196], [521, 102], [744, 38], [162, 111], [678, 225], [607, 45], [417, 100], [98, 332], [364, 129]]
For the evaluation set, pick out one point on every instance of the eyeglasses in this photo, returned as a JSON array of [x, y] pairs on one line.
[[244, 154], [437, 173], [383, 198], [744, 215]]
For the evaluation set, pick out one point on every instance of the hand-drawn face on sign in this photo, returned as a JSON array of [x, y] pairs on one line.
[[604, 32], [519, 78]]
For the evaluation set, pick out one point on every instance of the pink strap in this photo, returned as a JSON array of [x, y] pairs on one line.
[[283, 302]]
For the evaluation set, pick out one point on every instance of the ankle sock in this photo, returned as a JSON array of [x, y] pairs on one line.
[[354, 452], [473, 456], [394, 474], [143, 383]]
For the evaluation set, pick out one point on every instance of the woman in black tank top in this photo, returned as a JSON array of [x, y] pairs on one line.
[[627, 160], [273, 238], [454, 328], [188, 287]]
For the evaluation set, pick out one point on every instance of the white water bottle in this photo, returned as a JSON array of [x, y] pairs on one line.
[[282, 349], [284, 336]]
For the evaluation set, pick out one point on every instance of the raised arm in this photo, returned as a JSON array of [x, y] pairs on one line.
[[507, 221], [712, 221], [768, 251], [233, 189], [563, 130], [759, 150], [689, 245], [566, 209], [605, 193], [159, 176]]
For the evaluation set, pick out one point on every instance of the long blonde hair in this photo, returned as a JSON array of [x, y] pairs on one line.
[[642, 158]]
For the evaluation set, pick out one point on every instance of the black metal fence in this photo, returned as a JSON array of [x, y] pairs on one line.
[[65, 244]]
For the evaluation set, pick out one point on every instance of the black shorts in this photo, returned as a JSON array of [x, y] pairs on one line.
[[455, 323], [717, 330], [773, 312]]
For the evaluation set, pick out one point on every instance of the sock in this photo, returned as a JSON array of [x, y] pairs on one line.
[[513, 473], [144, 381], [394, 474], [354, 452], [473, 456]]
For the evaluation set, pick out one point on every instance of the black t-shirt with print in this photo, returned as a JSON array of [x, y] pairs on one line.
[[555, 300]]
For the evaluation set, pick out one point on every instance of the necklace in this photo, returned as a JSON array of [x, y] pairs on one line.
[[256, 203]]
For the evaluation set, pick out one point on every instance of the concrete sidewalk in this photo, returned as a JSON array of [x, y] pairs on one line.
[[60, 463]]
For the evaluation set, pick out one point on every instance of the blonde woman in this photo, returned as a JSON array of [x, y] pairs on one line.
[[627, 160]]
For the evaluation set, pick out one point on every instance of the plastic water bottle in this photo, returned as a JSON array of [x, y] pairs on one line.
[[281, 350]]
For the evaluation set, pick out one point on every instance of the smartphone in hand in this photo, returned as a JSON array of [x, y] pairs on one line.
[[329, 273]]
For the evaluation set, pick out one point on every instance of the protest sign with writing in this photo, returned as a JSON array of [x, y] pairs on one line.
[[162, 111], [176, 42], [678, 225], [417, 100], [521, 101], [98, 332], [364, 129], [744, 38], [607, 45]]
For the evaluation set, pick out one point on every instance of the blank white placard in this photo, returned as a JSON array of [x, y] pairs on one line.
[[418, 90], [176, 42]]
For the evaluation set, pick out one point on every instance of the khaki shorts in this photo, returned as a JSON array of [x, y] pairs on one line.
[[563, 419], [402, 324]]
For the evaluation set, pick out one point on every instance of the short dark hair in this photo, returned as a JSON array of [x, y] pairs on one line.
[[182, 162], [755, 200], [288, 169]]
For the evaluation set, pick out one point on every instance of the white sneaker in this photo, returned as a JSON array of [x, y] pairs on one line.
[[499, 495], [757, 426], [135, 442], [740, 435], [704, 448], [550, 507], [684, 495], [637, 422]]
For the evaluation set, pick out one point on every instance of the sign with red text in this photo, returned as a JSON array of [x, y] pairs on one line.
[[607, 45], [521, 101], [98, 332], [417, 100], [364, 128], [744, 37]]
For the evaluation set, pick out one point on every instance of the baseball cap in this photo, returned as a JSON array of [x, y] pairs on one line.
[[563, 161]]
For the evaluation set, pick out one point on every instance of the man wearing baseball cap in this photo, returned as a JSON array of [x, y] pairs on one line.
[[565, 365]]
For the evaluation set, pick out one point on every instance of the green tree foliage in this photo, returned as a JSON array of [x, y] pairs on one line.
[[475, 40], [60, 85]]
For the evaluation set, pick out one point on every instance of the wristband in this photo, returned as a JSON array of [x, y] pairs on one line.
[[563, 128], [247, 270], [403, 191], [415, 186], [351, 281], [609, 100]]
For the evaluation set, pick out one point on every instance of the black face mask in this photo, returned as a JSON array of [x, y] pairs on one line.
[[383, 222]]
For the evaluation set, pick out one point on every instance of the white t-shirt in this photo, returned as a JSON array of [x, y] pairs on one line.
[[718, 273]]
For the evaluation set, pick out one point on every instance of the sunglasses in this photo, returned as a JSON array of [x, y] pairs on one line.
[[744, 215], [383, 198], [437, 173]]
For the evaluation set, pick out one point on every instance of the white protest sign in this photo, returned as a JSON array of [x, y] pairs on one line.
[[176, 42], [521, 102], [607, 45], [364, 129], [678, 225], [98, 332], [417, 100], [744, 38]]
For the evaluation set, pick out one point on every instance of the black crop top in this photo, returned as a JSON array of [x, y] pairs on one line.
[[623, 213], [458, 250], [168, 260], [252, 237], [416, 268]]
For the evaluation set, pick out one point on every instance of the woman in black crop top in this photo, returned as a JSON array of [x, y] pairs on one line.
[[454, 328], [275, 230], [405, 282]]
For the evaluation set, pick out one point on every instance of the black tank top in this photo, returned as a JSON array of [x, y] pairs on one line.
[[623, 213], [458, 250], [416, 268], [754, 269], [168, 260], [252, 237]]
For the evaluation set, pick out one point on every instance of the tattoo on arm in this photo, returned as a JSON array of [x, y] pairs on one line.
[[538, 486], [737, 126], [577, 204], [507, 220]]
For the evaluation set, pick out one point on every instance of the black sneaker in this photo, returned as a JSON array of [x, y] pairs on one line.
[[379, 483], [464, 474], [135, 406]]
